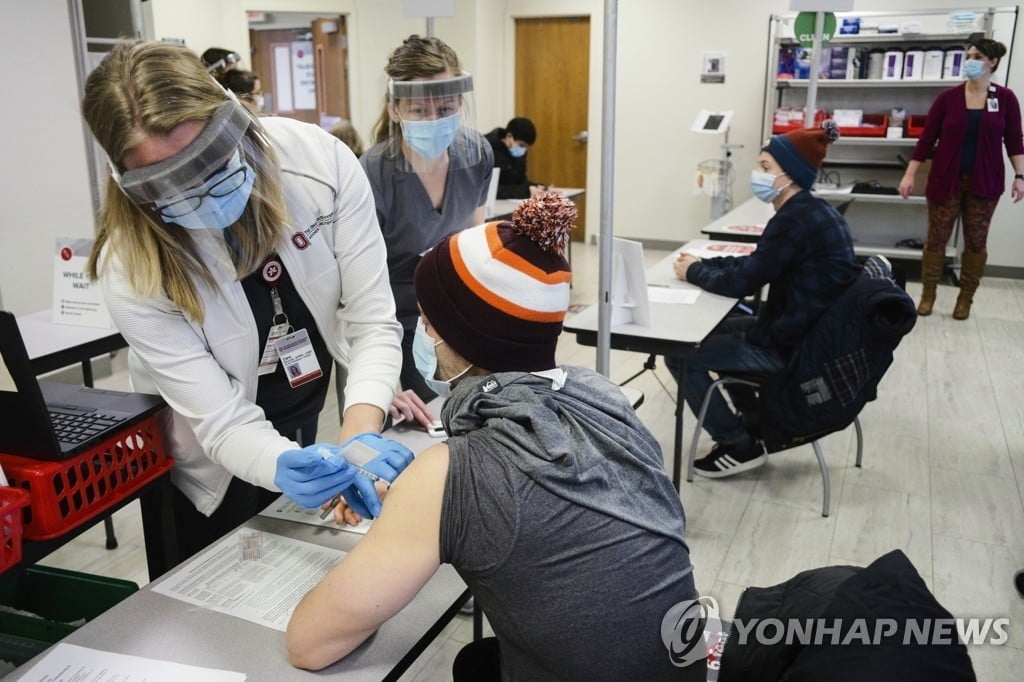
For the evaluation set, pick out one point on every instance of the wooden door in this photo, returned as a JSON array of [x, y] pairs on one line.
[[322, 65], [330, 45], [552, 89]]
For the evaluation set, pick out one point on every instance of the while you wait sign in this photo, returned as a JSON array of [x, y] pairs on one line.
[[76, 300]]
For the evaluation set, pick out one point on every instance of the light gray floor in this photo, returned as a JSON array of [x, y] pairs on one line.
[[943, 478]]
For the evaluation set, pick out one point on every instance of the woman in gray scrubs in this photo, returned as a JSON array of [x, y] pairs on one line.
[[429, 170]]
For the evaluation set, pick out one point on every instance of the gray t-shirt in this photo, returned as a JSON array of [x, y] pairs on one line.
[[408, 219], [572, 592]]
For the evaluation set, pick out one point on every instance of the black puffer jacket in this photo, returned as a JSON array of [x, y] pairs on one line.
[[836, 368], [889, 588]]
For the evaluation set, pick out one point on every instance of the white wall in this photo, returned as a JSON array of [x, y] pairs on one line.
[[44, 190], [43, 186]]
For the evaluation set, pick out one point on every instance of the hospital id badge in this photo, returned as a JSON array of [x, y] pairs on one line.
[[268, 363], [298, 358], [993, 105]]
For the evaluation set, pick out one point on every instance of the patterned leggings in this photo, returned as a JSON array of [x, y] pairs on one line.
[[976, 213]]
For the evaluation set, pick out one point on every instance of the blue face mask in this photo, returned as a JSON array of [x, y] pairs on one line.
[[217, 203], [763, 185], [424, 356], [516, 151], [430, 139], [974, 69]]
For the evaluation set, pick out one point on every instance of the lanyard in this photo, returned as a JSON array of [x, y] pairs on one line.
[[270, 272]]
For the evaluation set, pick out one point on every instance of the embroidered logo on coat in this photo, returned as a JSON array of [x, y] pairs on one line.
[[302, 239]]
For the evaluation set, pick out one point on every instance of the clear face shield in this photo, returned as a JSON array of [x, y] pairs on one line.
[[432, 120], [207, 183]]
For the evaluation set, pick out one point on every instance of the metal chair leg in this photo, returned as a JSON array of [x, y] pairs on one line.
[[826, 482], [721, 381], [860, 440], [108, 526], [696, 431]]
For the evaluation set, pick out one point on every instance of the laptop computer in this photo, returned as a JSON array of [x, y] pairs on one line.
[[51, 420]]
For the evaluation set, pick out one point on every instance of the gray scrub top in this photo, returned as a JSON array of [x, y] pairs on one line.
[[408, 219]]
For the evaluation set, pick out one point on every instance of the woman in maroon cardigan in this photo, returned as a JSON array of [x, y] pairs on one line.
[[971, 122]]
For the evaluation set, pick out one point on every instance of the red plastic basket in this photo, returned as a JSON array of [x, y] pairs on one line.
[[873, 125], [11, 502], [779, 128], [915, 124], [69, 492]]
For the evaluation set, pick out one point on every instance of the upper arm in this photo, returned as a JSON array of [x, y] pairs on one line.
[[1013, 136], [381, 574]]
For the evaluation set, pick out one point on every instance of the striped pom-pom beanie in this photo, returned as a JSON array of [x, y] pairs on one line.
[[497, 293]]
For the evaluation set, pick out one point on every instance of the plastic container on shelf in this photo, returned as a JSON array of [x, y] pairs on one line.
[[953, 62], [59, 598], [913, 64], [892, 65], [915, 125], [12, 500], [872, 125], [933, 60], [787, 119], [962, 21], [66, 493], [876, 61]]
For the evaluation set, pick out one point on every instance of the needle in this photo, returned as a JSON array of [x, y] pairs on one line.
[[336, 500]]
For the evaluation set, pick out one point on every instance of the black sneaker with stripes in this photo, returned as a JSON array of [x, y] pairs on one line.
[[725, 460]]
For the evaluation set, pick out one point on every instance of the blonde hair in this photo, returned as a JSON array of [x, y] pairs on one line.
[[416, 57], [143, 89]]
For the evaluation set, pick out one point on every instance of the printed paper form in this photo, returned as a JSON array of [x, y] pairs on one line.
[[663, 294], [264, 590], [287, 510], [73, 663], [715, 249]]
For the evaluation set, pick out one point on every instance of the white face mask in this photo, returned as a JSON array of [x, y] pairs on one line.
[[424, 354]]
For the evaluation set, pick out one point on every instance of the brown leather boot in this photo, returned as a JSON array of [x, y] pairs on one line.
[[972, 266], [932, 265]]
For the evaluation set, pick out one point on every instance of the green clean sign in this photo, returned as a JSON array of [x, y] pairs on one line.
[[803, 28]]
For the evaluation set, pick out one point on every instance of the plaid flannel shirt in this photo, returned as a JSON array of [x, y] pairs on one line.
[[806, 256]]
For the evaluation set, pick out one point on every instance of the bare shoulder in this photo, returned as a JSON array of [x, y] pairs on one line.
[[421, 483]]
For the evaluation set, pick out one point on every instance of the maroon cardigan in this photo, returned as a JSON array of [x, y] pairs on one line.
[[947, 123]]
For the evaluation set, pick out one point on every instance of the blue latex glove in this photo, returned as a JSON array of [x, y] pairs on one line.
[[309, 479], [393, 458]]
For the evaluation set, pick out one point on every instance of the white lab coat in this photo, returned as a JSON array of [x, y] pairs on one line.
[[207, 372]]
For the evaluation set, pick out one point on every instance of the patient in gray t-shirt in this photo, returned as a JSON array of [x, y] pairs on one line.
[[549, 497]]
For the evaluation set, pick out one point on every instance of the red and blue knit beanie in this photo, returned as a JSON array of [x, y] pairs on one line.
[[801, 152], [497, 293]]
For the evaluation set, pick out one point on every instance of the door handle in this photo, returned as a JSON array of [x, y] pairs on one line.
[[581, 136]]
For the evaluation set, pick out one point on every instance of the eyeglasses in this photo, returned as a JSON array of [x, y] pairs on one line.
[[234, 179]]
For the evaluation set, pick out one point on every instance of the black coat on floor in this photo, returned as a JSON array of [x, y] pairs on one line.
[[889, 588]]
